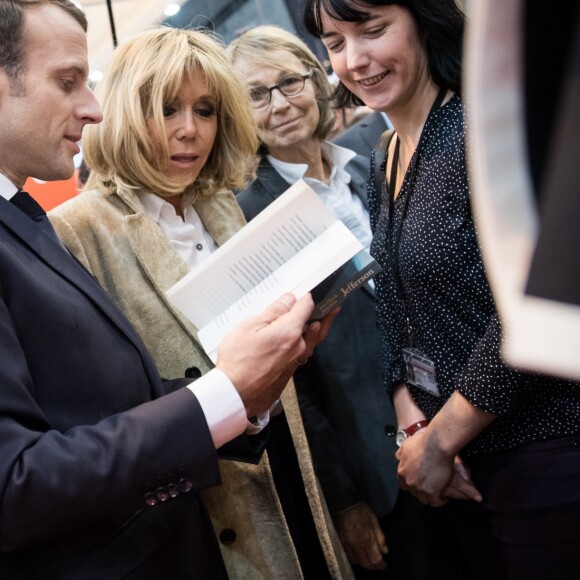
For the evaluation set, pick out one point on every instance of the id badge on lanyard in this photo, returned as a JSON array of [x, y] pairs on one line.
[[420, 371], [420, 368]]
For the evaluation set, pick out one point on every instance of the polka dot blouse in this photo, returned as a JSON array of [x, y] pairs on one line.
[[447, 299]]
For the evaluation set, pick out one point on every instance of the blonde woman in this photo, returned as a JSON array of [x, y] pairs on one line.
[[177, 135]]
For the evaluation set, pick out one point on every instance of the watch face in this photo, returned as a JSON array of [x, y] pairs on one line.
[[401, 437]]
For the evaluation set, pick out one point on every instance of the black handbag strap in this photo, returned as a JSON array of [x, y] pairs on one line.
[[381, 153]]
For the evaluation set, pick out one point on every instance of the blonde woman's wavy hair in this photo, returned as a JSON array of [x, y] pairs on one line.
[[144, 75], [258, 44]]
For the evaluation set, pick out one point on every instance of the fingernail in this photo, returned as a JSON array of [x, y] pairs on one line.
[[288, 299]]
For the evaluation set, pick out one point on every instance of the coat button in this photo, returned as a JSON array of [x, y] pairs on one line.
[[390, 430], [162, 494], [172, 490], [150, 499], [227, 537], [184, 485], [192, 373]]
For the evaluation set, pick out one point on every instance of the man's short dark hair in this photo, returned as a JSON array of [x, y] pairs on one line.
[[11, 34]]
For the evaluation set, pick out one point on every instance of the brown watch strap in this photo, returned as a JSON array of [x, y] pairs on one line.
[[412, 429]]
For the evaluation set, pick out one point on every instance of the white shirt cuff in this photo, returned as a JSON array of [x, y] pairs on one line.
[[223, 408]]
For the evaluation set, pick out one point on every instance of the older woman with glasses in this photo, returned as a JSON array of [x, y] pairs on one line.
[[289, 93], [348, 418]]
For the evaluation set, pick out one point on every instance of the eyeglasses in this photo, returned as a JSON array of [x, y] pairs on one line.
[[290, 85]]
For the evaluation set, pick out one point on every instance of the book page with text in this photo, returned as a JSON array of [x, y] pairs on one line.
[[252, 255], [298, 275]]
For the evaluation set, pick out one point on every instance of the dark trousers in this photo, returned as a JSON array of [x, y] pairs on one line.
[[290, 488], [422, 545], [528, 525]]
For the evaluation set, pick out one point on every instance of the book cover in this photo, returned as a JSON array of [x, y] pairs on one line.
[[337, 287]]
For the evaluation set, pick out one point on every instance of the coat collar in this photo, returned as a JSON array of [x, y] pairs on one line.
[[57, 258], [219, 212], [275, 185], [220, 215]]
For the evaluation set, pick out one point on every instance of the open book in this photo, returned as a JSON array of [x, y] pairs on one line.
[[295, 245]]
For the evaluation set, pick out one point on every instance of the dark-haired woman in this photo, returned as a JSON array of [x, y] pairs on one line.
[[456, 400]]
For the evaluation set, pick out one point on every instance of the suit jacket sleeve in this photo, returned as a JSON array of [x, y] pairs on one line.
[[84, 430], [90, 472]]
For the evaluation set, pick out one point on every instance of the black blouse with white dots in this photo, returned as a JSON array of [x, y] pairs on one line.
[[448, 301]]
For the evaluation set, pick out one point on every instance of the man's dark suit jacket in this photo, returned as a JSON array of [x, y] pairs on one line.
[[363, 136], [83, 447], [348, 417]]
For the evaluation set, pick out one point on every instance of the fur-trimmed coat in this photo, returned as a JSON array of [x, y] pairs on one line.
[[112, 235]]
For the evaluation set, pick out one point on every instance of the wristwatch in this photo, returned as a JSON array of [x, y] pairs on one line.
[[404, 434]]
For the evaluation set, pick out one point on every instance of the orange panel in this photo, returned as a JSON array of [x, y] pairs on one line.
[[50, 193]]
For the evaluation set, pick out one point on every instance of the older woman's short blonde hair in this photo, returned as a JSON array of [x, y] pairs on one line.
[[259, 44], [144, 75]]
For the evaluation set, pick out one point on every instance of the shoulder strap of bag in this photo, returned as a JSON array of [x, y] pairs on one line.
[[381, 152]]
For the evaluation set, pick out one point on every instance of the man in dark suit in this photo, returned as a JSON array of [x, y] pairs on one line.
[[364, 134], [100, 460]]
